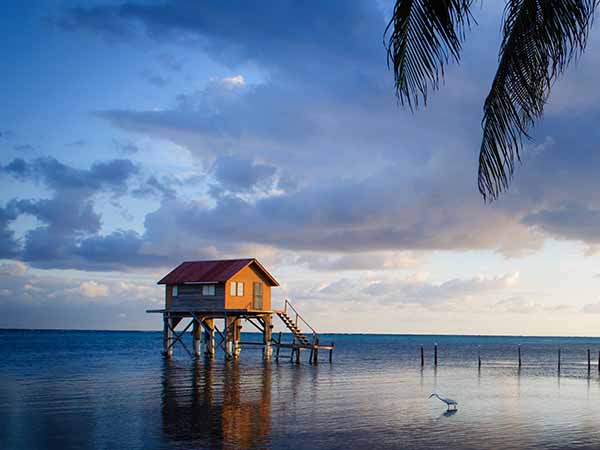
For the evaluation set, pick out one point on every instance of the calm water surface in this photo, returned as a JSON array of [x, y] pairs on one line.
[[113, 390]]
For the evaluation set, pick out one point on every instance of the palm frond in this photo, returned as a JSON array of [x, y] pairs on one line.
[[540, 39], [425, 35]]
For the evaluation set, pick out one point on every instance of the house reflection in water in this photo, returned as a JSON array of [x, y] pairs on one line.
[[211, 405]]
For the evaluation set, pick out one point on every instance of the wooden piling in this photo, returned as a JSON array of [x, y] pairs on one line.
[[278, 346], [519, 356], [315, 352], [422, 357], [167, 337], [209, 337], [558, 359], [435, 354], [197, 338], [478, 357], [589, 361], [331, 352]]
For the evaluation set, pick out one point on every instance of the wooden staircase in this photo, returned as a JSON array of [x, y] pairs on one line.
[[293, 327], [301, 340]]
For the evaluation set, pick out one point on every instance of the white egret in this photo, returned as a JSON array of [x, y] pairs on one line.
[[452, 404]]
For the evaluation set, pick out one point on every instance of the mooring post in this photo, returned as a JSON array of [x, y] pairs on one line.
[[559, 360], [331, 352], [479, 357], [278, 346], [316, 350], [589, 361], [435, 354], [267, 336], [209, 337], [298, 355], [519, 348], [167, 336], [197, 337], [237, 336], [422, 357]]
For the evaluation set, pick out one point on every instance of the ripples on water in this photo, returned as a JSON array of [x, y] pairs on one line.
[[111, 390]]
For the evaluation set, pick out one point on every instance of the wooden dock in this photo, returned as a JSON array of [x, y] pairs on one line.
[[202, 324]]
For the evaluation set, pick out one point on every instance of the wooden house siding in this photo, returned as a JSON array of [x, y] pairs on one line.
[[190, 296], [248, 275]]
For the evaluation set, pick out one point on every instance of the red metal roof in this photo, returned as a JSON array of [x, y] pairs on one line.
[[217, 271]]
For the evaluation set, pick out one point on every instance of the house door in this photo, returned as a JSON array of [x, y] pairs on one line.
[[257, 296]]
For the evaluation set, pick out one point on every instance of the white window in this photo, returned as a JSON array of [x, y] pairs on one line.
[[174, 291], [208, 289], [236, 289]]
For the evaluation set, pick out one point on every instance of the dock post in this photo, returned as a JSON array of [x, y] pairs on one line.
[[298, 355], [237, 334], [479, 357], [519, 349], [230, 329], [197, 337], [435, 354], [267, 336], [589, 361], [278, 346], [167, 336], [422, 357], [559, 360], [331, 352], [209, 337], [315, 353]]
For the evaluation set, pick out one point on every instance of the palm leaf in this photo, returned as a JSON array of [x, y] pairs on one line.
[[425, 35], [540, 39]]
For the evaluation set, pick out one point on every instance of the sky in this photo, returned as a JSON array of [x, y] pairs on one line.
[[135, 135]]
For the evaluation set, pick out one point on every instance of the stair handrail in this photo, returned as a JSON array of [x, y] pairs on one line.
[[298, 316]]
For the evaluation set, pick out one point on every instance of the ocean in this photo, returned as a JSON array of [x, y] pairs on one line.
[[113, 390]]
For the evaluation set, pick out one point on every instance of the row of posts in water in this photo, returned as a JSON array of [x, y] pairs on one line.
[[519, 359]]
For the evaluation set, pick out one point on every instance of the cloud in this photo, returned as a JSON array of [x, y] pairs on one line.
[[93, 289], [102, 175], [126, 147], [154, 78], [314, 155], [69, 234], [241, 175], [591, 308], [517, 305], [152, 186], [30, 298], [170, 62], [361, 261], [413, 290]]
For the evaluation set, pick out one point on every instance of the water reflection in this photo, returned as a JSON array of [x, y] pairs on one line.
[[216, 406]]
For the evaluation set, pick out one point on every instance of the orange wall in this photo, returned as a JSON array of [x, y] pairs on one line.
[[248, 276]]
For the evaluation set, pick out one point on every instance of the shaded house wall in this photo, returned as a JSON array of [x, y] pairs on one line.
[[190, 296]]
